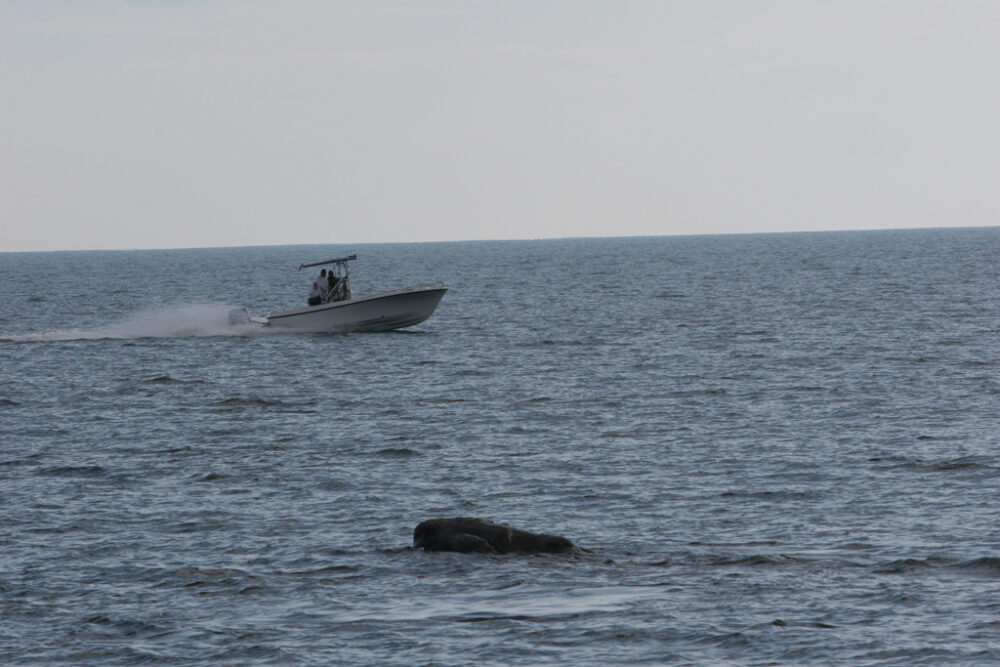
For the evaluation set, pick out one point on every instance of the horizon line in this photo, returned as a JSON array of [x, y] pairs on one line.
[[511, 240]]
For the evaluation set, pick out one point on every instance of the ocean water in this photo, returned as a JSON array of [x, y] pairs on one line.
[[774, 449]]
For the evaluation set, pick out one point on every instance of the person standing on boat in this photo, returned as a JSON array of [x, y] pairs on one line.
[[315, 295], [321, 282]]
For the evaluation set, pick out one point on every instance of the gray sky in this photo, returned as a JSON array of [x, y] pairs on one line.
[[155, 124]]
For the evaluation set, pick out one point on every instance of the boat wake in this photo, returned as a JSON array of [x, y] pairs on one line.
[[175, 321]]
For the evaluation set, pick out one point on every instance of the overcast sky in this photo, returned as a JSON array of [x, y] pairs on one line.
[[155, 124]]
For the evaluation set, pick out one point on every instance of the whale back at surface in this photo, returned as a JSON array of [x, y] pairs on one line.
[[466, 534]]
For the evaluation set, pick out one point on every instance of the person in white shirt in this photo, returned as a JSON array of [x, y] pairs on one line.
[[321, 280], [315, 295]]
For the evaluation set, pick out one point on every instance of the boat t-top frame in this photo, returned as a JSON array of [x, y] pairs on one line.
[[342, 290]]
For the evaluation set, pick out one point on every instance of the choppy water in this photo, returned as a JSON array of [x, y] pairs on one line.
[[776, 449]]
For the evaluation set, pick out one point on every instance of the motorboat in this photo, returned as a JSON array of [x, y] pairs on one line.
[[337, 310]]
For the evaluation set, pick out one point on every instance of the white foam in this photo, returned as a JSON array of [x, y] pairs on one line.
[[175, 321]]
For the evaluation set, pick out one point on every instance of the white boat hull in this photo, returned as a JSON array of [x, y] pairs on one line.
[[376, 312]]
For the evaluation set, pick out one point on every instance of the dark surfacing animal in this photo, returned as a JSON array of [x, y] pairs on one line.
[[468, 535]]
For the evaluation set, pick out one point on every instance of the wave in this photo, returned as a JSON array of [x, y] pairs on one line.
[[773, 495], [247, 402], [73, 471], [242, 403], [116, 627], [174, 321], [166, 379], [988, 566], [703, 560], [398, 452], [962, 463], [518, 603], [906, 565]]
